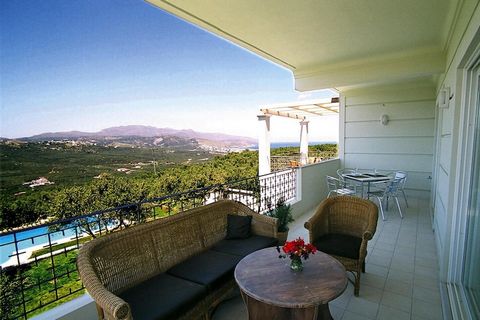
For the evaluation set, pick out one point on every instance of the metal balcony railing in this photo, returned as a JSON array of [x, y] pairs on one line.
[[41, 272]]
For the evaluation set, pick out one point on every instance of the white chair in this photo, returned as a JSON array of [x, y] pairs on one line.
[[391, 189], [342, 172], [335, 186], [402, 175], [358, 188]]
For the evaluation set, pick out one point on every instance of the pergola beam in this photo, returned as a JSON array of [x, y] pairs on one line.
[[282, 114], [301, 109]]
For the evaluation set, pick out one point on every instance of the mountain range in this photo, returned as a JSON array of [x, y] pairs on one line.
[[206, 138]]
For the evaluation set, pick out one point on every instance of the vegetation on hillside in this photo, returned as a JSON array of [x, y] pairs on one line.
[[79, 197]]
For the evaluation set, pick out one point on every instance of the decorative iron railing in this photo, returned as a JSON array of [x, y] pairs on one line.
[[38, 269]]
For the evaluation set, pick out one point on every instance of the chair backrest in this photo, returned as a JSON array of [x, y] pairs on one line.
[[392, 187], [341, 172], [333, 183], [401, 175], [351, 215]]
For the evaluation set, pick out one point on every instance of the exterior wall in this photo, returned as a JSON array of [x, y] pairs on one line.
[[312, 187], [405, 143], [452, 161]]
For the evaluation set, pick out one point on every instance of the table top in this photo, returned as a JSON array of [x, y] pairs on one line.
[[266, 278], [366, 177]]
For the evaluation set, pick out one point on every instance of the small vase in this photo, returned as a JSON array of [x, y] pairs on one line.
[[296, 265]]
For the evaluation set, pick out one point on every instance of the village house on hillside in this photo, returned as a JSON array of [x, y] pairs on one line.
[[41, 181]]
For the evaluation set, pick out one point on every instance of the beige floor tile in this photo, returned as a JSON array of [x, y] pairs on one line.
[[381, 252], [426, 310], [427, 273], [354, 316], [426, 262], [399, 287], [387, 313], [370, 293], [233, 309], [427, 295], [376, 270], [397, 301], [372, 280], [363, 307], [385, 246], [343, 300], [399, 275], [379, 260], [423, 282], [336, 312]]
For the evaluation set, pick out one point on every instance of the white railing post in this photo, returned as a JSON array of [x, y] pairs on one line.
[[263, 144], [304, 142]]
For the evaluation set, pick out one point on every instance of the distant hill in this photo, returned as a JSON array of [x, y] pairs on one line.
[[205, 138]]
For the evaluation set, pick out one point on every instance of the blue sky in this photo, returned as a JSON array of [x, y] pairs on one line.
[[91, 64]]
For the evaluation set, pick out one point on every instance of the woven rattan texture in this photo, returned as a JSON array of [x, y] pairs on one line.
[[346, 215], [113, 263]]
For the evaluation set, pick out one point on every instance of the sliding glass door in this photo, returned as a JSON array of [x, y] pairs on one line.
[[471, 259]]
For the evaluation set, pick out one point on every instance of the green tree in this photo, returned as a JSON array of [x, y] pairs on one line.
[[10, 298]]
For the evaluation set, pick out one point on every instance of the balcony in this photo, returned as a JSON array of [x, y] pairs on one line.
[[401, 281], [41, 272]]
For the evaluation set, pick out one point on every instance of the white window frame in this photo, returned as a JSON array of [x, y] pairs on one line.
[[469, 93]]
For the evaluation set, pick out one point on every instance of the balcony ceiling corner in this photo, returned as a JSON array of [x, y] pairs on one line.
[[332, 43]]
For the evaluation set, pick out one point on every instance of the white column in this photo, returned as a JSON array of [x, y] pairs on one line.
[[304, 142], [263, 144]]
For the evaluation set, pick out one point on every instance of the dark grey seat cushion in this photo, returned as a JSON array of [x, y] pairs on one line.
[[210, 268], [163, 297], [340, 245], [243, 247]]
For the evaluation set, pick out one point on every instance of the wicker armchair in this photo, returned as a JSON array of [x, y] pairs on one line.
[[341, 227]]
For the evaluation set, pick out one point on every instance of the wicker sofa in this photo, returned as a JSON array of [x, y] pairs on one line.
[[179, 267]]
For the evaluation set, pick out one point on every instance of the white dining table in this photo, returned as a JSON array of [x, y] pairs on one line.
[[366, 178]]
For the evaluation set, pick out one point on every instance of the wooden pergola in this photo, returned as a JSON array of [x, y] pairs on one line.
[[300, 110]]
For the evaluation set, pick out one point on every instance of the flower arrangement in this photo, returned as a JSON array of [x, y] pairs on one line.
[[296, 250]]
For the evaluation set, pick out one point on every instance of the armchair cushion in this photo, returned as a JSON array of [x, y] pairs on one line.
[[244, 247], [162, 297], [339, 244], [238, 227]]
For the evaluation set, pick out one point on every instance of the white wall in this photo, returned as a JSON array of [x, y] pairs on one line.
[[312, 185], [405, 143]]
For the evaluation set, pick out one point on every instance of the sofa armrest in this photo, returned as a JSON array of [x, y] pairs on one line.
[[317, 225], [112, 306], [264, 226]]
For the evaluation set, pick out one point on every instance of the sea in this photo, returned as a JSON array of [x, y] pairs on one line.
[[275, 145]]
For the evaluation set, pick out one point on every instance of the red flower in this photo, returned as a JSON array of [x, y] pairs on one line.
[[297, 249]]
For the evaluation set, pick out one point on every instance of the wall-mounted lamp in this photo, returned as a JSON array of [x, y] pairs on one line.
[[443, 97], [384, 119]]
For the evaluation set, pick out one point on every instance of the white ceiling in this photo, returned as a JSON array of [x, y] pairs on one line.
[[331, 39]]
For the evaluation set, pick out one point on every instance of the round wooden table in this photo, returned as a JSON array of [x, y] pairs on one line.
[[271, 290]]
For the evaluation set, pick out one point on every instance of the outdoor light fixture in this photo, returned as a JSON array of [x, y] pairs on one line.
[[443, 97], [384, 119]]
